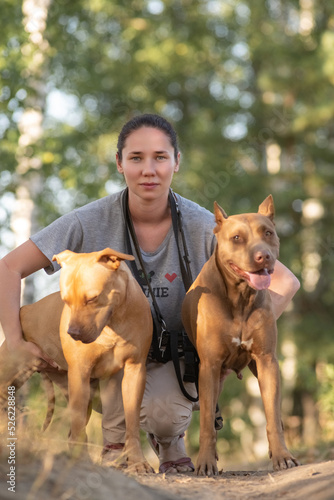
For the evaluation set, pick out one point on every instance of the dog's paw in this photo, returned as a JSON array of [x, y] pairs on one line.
[[285, 462], [207, 467], [139, 468], [207, 470]]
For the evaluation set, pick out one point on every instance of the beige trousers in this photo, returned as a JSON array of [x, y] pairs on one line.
[[165, 411]]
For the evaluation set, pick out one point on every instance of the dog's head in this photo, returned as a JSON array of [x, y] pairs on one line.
[[248, 245], [91, 285]]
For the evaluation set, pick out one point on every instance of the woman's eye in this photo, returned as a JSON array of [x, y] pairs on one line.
[[160, 158], [135, 158]]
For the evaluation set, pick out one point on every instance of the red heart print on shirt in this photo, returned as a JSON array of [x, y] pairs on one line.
[[171, 277]]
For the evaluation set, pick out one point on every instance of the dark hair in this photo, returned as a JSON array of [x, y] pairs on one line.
[[147, 120]]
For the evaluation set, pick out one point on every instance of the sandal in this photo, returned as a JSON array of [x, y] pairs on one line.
[[171, 467], [111, 452]]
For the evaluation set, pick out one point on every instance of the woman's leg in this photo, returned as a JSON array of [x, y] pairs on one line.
[[113, 421], [165, 414]]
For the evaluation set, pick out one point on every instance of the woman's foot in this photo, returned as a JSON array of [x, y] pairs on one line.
[[183, 464], [172, 456]]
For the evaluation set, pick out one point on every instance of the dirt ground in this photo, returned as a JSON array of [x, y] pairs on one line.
[[55, 476], [45, 471]]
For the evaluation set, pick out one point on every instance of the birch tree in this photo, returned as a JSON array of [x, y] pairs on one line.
[[29, 186]]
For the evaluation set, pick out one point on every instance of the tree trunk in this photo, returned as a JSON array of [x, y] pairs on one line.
[[30, 126]]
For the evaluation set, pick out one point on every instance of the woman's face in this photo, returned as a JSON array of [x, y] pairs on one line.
[[148, 163]]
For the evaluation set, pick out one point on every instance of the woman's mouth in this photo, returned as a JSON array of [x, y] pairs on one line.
[[149, 185]]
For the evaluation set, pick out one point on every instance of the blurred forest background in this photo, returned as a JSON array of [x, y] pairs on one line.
[[249, 86]]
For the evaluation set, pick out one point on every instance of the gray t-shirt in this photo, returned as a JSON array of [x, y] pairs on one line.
[[101, 224]]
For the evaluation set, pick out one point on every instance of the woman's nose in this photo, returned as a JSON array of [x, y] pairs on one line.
[[149, 167]]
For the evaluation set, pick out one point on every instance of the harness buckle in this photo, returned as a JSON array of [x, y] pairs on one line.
[[164, 338]]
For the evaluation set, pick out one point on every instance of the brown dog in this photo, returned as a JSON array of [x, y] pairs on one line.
[[105, 325], [228, 316]]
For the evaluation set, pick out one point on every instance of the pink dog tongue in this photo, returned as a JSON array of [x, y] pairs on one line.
[[260, 280]]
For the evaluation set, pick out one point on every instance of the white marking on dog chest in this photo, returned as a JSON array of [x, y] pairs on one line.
[[245, 344]]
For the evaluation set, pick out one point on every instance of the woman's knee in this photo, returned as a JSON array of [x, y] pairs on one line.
[[165, 417]]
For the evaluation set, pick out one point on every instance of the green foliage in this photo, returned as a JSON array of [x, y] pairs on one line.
[[12, 82], [326, 399]]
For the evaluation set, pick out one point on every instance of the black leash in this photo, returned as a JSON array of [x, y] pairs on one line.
[[159, 346], [178, 227]]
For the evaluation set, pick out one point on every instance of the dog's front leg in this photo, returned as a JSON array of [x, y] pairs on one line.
[[269, 382], [133, 385], [208, 393], [79, 398]]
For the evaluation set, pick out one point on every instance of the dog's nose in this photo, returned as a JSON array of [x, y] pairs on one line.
[[262, 257], [74, 332]]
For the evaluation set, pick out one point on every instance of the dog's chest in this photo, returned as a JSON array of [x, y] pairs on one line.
[[238, 345], [237, 355], [106, 365], [114, 351]]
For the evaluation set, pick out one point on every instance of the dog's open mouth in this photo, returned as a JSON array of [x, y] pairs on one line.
[[260, 280]]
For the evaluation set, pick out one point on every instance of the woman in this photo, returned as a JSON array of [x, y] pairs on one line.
[[148, 157]]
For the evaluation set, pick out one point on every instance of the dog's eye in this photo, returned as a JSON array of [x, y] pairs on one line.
[[91, 300], [268, 233], [236, 237]]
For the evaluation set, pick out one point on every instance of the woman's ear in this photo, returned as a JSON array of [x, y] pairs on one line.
[[177, 163], [119, 164]]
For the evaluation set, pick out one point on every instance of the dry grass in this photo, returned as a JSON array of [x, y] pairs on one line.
[[46, 470]]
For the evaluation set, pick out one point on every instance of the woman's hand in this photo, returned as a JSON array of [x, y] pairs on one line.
[[283, 287], [18, 264], [22, 348]]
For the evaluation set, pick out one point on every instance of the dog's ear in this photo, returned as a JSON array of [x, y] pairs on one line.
[[267, 207], [220, 215], [63, 257], [112, 258]]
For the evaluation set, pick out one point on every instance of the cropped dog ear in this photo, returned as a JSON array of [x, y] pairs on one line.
[[220, 215], [267, 207], [112, 258], [63, 257]]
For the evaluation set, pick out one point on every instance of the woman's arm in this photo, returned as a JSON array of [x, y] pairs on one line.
[[283, 287], [18, 264]]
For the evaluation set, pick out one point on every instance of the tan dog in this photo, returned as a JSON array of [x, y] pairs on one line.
[[105, 325], [228, 316]]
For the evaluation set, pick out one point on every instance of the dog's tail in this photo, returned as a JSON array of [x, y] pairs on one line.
[[49, 389], [16, 381]]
